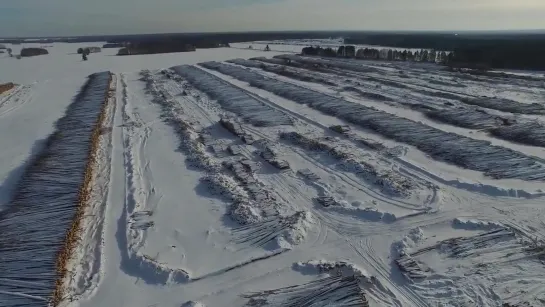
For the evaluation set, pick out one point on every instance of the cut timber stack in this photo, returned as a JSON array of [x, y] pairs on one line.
[[236, 128], [73, 234], [40, 227]]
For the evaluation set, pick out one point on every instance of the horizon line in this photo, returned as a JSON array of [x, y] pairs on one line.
[[498, 31]]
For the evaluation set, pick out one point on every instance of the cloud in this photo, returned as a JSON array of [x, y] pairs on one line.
[[73, 17]]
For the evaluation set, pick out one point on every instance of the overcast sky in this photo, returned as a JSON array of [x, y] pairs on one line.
[[78, 17]]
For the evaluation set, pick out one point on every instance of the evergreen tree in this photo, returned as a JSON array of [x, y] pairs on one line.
[[432, 56], [424, 56], [341, 51]]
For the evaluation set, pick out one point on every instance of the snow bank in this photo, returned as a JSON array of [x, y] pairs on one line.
[[480, 155], [154, 272]]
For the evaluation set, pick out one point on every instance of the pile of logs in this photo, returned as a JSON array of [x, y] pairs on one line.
[[73, 235]]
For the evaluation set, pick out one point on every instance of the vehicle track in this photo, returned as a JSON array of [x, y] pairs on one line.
[[16, 99], [409, 295], [141, 197]]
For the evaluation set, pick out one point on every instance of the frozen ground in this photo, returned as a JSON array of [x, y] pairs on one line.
[[267, 183]]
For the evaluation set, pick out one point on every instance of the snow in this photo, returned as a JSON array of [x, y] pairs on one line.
[[295, 46], [231, 183]]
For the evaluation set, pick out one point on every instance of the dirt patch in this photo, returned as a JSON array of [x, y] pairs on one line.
[[6, 87]]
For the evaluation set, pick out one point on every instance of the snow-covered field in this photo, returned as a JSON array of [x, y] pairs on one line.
[[237, 177], [295, 45]]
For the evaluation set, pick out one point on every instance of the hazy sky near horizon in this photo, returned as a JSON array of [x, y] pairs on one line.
[[78, 17]]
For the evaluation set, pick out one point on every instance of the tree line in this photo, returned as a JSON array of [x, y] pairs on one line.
[[502, 55], [508, 50], [530, 56], [387, 54]]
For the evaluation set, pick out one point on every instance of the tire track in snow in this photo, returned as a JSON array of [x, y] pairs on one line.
[[16, 99], [142, 198], [367, 254]]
